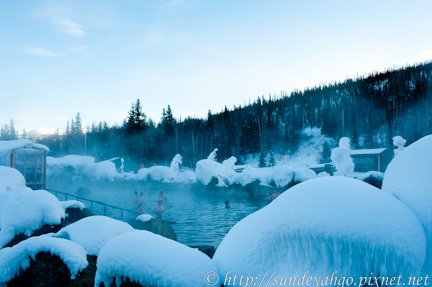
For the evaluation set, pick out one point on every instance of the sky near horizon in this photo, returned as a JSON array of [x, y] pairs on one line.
[[97, 57]]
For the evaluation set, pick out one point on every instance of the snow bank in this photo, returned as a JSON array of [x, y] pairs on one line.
[[27, 212], [93, 232], [324, 225], [83, 165], [10, 179], [409, 178], [151, 260], [279, 176], [16, 259], [341, 158]]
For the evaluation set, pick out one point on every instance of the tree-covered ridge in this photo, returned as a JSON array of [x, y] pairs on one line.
[[370, 110]]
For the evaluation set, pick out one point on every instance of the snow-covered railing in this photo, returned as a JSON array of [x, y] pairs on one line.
[[97, 207]]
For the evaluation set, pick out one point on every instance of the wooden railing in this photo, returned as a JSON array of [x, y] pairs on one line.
[[97, 207]]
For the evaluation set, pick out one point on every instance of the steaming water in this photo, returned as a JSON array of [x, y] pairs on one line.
[[198, 212]]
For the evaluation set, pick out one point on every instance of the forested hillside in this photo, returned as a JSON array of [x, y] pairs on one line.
[[370, 110]]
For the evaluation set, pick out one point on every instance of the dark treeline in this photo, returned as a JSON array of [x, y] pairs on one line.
[[370, 110]]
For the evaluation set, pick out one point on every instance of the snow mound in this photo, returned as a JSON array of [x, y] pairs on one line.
[[93, 232], [209, 168], [409, 178], [16, 259], [324, 225], [27, 212], [167, 174], [10, 179], [72, 204], [144, 217], [151, 260]]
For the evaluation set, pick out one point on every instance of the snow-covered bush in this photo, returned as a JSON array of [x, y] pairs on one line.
[[399, 142], [325, 225], [14, 260], [27, 212], [341, 158], [93, 232], [409, 178], [151, 260]]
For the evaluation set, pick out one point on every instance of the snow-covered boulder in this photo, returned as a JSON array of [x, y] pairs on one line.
[[151, 260], [341, 158], [16, 259], [324, 225], [409, 178], [27, 212], [11, 179], [144, 217], [93, 232]]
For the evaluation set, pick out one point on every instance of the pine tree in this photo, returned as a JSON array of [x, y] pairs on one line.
[[137, 120], [262, 160], [272, 161]]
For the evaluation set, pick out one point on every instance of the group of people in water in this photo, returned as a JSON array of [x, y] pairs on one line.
[[159, 208]]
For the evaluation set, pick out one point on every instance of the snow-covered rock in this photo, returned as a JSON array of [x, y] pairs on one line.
[[72, 204], [16, 259], [324, 225], [151, 260], [11, 178], [341, 158], [409, 178], [27, 212], [93, 232], [144, 217]]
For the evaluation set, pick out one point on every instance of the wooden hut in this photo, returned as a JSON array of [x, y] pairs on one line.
[[27, 157], [371, 159]]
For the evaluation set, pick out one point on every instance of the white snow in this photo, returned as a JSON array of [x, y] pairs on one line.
[[16, 259], [93, 232], [151, 260], [409, 178], [8, 146], [27, 212], [72, 204], [341, 158], [324, 225], [144, 217], [10, 179]]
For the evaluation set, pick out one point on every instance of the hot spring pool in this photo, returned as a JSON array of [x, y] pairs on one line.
[[198, 212]]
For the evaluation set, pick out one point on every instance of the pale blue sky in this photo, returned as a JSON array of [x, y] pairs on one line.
[[96, 57]]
